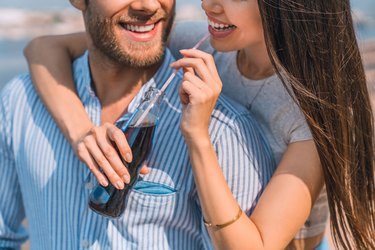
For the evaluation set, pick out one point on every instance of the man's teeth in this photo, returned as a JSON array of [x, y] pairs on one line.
[[138, 28], [220, 26]]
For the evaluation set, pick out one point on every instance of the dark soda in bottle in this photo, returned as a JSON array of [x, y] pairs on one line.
[[109, 201]]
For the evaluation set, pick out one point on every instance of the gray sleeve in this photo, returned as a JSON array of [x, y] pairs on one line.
[[288, 120], [298, 129]]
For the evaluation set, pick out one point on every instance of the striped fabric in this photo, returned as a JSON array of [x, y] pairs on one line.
[[42, 179]]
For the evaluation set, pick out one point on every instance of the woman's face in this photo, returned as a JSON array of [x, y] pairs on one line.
[[234, 24]]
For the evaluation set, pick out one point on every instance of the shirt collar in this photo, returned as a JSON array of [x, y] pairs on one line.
[[82, 77]]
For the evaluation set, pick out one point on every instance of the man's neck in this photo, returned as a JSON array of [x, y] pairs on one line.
[[117, 85]]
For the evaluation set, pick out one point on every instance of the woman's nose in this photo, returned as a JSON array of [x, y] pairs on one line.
[[212, 6]]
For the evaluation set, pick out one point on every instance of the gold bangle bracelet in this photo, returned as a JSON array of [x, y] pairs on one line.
[[220, 226]]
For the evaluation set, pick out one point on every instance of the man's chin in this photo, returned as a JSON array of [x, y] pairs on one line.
[[145, 57]]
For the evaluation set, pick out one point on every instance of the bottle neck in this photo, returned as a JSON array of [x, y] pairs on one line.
[[148, 111]]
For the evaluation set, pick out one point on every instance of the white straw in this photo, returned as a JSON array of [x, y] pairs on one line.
[[166, 84]]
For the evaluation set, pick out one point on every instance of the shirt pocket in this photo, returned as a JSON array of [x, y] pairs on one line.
[[153, 188], [148, 206], [147, 194]]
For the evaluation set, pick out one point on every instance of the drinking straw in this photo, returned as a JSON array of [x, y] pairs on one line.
[[166, 84]]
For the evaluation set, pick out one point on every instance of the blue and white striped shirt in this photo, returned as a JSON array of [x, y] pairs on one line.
[[42, 179]]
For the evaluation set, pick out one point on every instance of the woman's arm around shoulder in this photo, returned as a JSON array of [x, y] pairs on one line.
[[50, 59]]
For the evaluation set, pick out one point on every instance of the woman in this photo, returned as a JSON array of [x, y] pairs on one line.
[[311, 47]]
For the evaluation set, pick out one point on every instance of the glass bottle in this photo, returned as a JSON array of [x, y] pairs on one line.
[[109, 201]]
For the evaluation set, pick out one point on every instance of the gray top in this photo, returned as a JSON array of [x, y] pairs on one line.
[[279, 116]]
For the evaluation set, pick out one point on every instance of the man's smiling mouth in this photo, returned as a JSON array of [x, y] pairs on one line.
[[138, 28]]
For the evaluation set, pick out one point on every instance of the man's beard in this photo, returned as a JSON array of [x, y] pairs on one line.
[[104, 39]]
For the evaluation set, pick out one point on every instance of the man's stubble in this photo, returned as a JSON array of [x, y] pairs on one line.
[[101, 31]]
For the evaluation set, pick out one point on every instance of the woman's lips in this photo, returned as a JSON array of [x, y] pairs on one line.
[[219, 29], [220, 33]]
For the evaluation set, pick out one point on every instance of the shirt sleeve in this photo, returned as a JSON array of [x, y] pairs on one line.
[[246, 161], [12, 233]]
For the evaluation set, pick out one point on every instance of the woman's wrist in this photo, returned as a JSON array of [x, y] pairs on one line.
[[198, 140], [75, 127]]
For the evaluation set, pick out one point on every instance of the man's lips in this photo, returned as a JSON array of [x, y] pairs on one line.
[[140, 32], [138, 27]]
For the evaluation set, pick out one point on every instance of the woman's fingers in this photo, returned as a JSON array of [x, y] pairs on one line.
[[197, 64], [110, 153], [207, 59], [101, 160], [104, 148], [196, 90], [201, 76], [85, 157], [116, 135]]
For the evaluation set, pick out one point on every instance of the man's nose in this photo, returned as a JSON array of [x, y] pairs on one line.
[[146, 6]]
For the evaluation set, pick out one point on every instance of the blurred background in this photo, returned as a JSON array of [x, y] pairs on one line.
[[21, 20]]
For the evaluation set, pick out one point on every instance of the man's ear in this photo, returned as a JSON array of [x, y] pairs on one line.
[[79, 4]]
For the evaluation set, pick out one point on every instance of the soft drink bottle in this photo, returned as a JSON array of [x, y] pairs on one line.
[[109, 201]]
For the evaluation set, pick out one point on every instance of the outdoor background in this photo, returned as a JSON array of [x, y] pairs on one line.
[[21, 20]]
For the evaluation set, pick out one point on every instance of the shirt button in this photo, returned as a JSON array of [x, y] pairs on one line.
[[89, 185], [85, 243]]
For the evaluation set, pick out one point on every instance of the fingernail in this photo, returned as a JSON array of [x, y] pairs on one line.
[[126, 178], [120, 185], [128, 157], [104, 182]]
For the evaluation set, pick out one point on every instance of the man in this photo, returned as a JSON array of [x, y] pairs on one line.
[[40, 176]]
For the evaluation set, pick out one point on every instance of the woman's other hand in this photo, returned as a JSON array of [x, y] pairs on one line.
[[97, 149]]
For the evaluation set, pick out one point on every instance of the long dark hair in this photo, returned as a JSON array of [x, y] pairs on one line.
[[313, 47]]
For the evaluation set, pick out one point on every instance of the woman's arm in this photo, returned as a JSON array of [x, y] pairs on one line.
[[287, 200], [50, 60]]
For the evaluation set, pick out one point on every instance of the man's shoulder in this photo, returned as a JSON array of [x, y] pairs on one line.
[[233, 114], [19, 87]]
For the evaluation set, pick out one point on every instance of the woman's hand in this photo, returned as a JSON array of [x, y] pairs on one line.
[[97, 149], [199, 90]]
